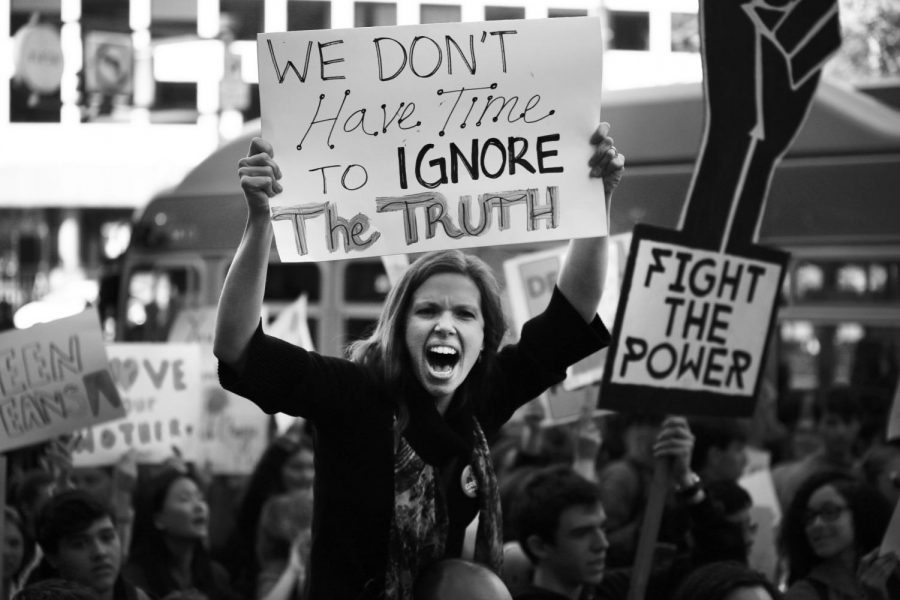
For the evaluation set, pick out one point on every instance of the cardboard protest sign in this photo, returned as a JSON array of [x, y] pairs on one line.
[[233, 431], [396, 140], [161, 391], [698, 304], [54, 380]]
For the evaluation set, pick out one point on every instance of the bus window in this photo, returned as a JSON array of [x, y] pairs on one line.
[[846, 281], [155, 295], [358, 328], [366, 281], [287, 281]]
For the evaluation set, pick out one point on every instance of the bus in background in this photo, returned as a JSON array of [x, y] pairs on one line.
[[832, 205]]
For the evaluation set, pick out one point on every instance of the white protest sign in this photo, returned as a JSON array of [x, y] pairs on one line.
[[162, 394], [233, 431], [405, 139], [893, 428], [54, 380], [693, 331]]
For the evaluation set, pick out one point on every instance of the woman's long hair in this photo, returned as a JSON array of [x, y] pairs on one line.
[[149, 552], [869, 510], [384, 352]]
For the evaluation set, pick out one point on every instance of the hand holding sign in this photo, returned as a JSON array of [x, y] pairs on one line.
[[259, 176]]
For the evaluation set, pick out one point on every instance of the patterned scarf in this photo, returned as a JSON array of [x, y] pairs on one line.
[[419, 527]]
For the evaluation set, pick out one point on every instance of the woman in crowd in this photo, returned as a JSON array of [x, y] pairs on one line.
[[831, 534], [169, 558], [286, 466], [13, 551], [402, 461]]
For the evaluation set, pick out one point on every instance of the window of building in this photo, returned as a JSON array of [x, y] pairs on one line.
[[499, 13], [243, 17], [308, 14], [25, 104], [685, 32], [374, 14], [174, 100], [629, 30], [875, 281], [566, 12], [440, 13]]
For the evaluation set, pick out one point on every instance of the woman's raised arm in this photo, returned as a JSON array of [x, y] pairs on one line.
[[584, 269], [241, 301]]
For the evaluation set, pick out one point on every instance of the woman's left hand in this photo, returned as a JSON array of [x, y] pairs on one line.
[[874, 571], [675, 442], [606, 163]]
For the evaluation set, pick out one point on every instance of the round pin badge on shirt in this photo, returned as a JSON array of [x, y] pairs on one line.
[[468, 483]]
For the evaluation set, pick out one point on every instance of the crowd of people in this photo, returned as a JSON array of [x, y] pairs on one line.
[[404, 477]]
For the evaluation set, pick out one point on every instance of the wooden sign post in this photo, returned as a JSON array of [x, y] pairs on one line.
[[698, 304]]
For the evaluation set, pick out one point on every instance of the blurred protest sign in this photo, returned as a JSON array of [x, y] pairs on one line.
[[292, 324], [893, 428], [234, 432], [416, 138], [161, 390], [891, 541], [530, 279], [54, 380], [766, 514]]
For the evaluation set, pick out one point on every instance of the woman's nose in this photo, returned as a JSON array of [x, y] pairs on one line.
[[444, 323]]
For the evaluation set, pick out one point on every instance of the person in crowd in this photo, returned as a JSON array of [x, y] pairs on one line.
[[837, 420], [402, 461], [169, 557], [881, 468], [13, 551], [830, 536], [455, 579], [560, 523], [30, 492], [56, 589], [113, 485], [285, 466], [730, 531], [625, 483], [726, 580], [80, 543], [720, 449], [282, 545]]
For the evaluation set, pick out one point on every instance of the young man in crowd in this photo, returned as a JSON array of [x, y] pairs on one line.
[[78, 536], [561, 526], [838, 419]]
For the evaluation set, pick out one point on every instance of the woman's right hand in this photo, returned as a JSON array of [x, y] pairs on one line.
[[259, 175]]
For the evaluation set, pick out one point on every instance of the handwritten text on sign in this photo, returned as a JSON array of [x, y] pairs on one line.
[[406, 139], [54, 380], [695, 320], [162, 393]]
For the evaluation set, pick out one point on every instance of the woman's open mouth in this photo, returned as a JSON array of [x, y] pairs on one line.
[[441, 360]]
